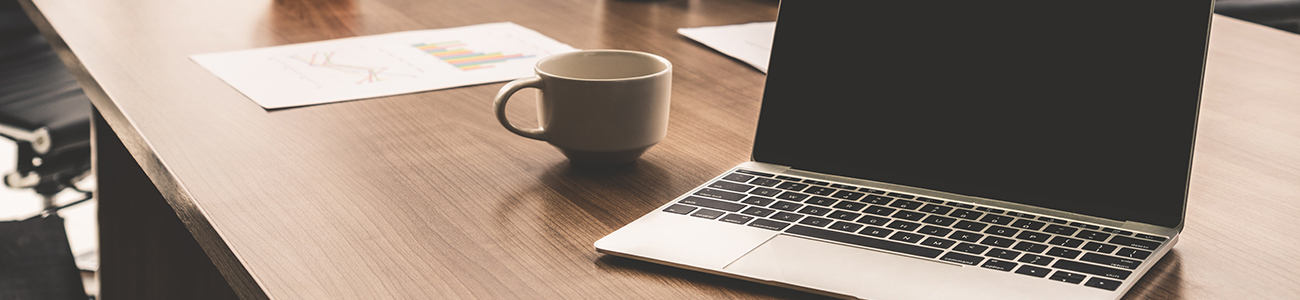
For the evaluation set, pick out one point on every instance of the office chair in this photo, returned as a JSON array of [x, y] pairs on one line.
[[42, 109], [1280, 14], [46, 113]]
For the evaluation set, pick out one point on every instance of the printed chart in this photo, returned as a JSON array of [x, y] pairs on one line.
[[381, 65]]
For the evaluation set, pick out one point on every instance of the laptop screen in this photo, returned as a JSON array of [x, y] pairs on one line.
[[1071, 105]]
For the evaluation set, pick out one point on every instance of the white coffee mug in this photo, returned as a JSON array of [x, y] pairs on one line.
[[599, 107]]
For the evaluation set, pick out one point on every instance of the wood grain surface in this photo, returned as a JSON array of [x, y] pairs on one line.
[[426, 196]]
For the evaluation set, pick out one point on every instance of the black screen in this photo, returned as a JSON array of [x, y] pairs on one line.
[[1081, 106]]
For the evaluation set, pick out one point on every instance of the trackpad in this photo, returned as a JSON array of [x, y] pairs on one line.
[[840, 269]]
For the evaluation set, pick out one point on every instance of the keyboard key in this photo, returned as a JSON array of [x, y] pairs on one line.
[[850, 206], [1002, 231], [1029, 247], [1020, 215], [1085, 226], [844, 215], [1091, 269], [1033, 271], [823, 201], [1033, 236], [970, 248], [737, 218], [755, 200], [997, 219], [1065, 241], [846, 226], [906, 237], [909, 215], [966, 214], [961, 258], [843, 186], [786, 205], [758, 211], [966, 236], [1064, 276], [873, 220], [931, 200], [737, 177], [815, 221], [1036, 259], [768, 182], [1151, 237], [938, 242], [864, 241], [1133, 253], [1002, 253], [820, 191], [815, 210], [1028, 224], [990, 210], [1107, 260], [876, 231], [968, 225], [1052, 220], [769, 224], [1116, 231], [765, 192], [1058, 229], [871, 190], [816, 182], [961, 205], [900, 195], [873, 199], [938, 220], [679, 209], [707, 214], [731, 186], [1092, 235], [903, 225], [1135, 243], [905, 204], [847, 195], [998, 242], [792, 186], [796, 179], [1099, 247], [879, 210], [788, 217], [710, 203], [1064, 253], [755, 173], [935, 209], [718, 194], [1000, 265], [934, 230], [792, 196], [1105, 284]]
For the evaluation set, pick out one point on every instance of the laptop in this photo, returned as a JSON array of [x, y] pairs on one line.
[[954, 150]]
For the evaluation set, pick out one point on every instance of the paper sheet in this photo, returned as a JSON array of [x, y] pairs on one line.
[[750, 43], [381, 65]]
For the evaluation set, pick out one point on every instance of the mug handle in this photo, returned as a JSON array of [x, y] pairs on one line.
[[504, 96]]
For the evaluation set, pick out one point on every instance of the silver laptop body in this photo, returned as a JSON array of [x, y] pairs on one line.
[[883, 236]]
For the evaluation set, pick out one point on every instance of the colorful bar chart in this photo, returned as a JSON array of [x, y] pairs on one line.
[[454, 53]]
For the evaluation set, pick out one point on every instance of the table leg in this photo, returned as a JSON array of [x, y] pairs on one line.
[[145, 251]]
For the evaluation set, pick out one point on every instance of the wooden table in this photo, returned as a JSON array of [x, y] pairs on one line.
[[204, 194]]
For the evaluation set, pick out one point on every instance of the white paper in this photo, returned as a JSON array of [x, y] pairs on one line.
[[381, 65], [750, 43]]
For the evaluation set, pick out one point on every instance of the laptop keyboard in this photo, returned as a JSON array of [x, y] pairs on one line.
[[949, 231]]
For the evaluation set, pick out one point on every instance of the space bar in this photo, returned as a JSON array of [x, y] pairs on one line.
[[864, 241]]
